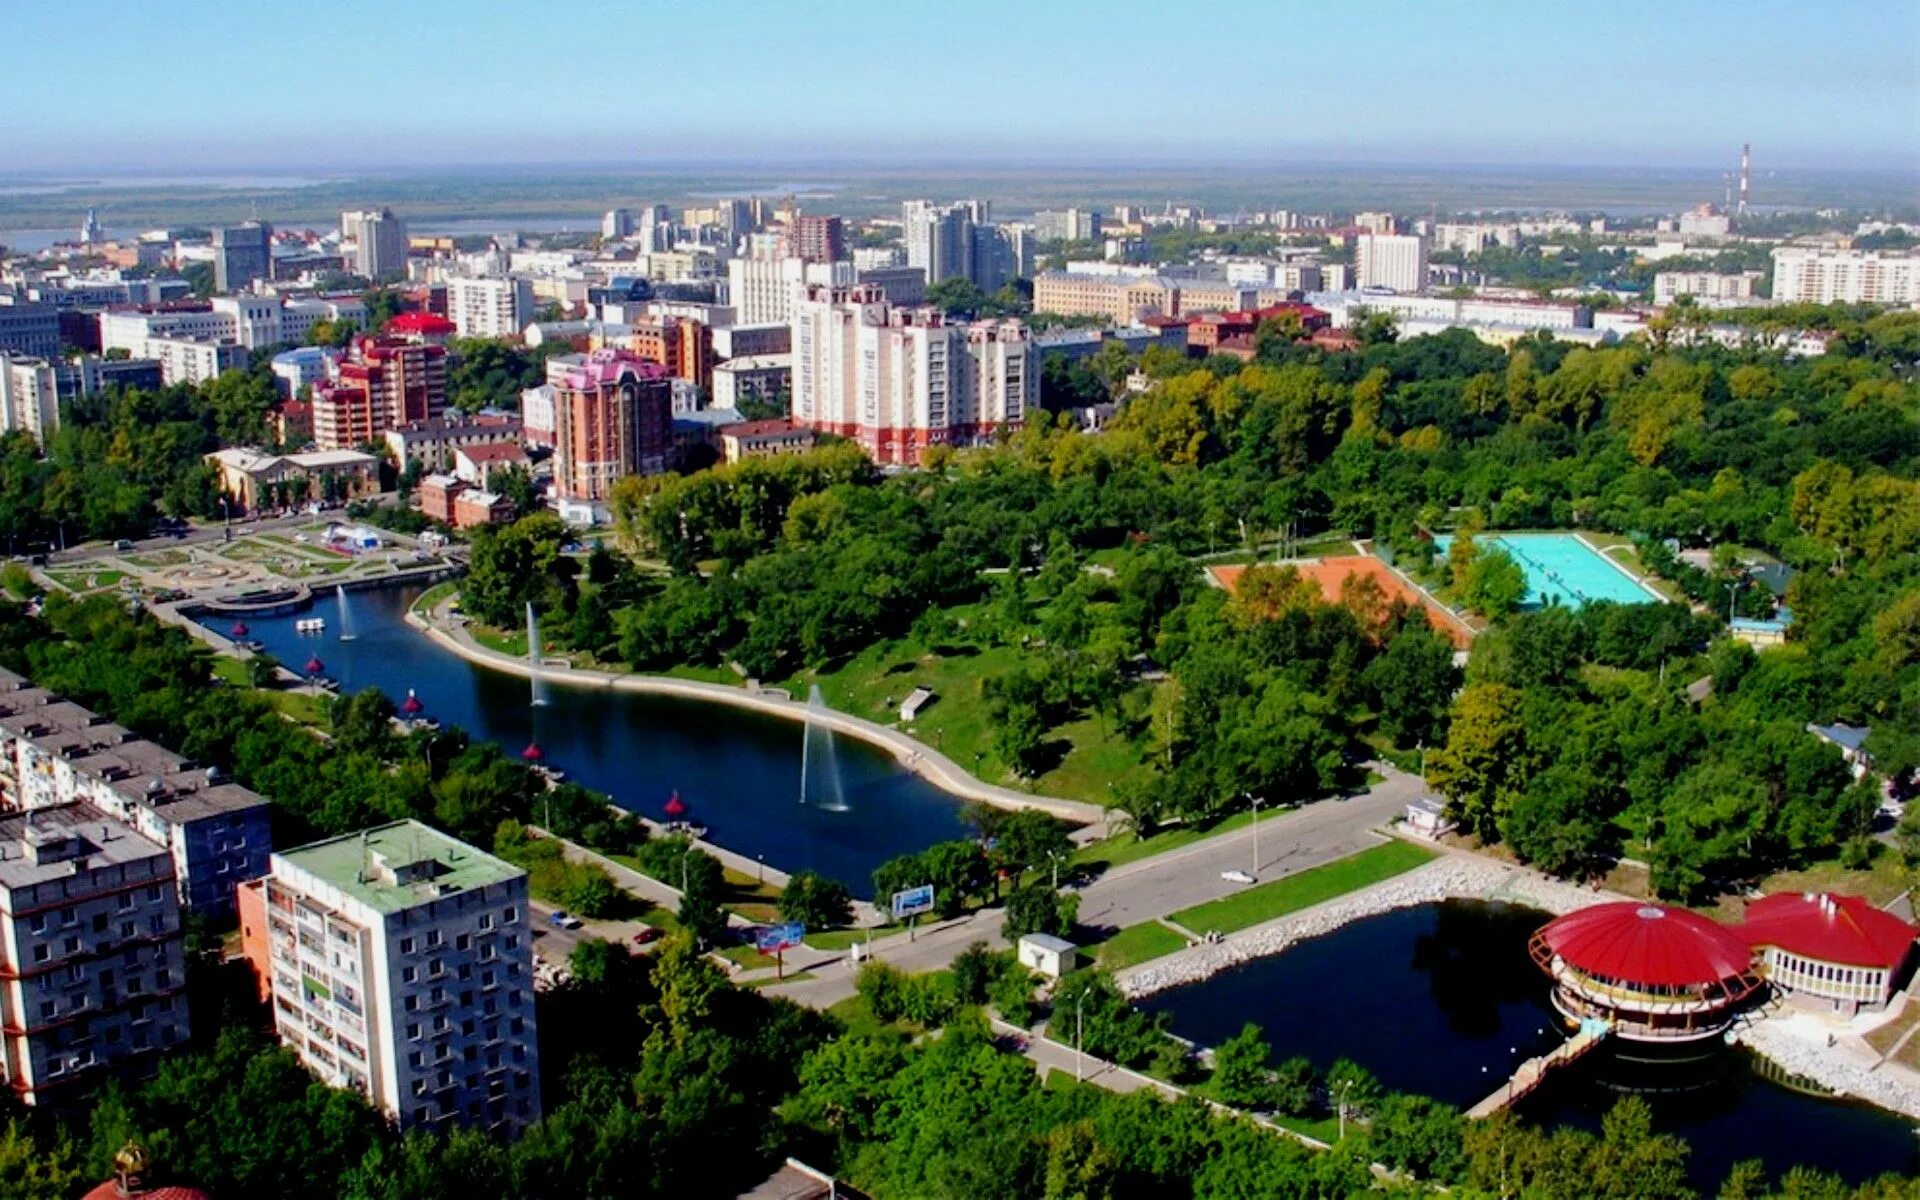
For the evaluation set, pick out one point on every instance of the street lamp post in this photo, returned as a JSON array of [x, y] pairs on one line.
[[1345, 1084], [1256, 834], [1079, 1042]]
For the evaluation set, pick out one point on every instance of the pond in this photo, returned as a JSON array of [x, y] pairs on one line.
[[1442, 1000], [738, 770]]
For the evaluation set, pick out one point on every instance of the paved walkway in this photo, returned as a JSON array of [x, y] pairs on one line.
[[917, 757]]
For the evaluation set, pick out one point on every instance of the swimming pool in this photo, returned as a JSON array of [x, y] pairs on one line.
[[1561, 568]]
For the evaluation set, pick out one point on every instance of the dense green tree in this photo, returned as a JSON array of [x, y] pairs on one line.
[[815, 901]]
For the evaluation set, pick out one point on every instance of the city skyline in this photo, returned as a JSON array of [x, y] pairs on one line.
[[1637, 84]]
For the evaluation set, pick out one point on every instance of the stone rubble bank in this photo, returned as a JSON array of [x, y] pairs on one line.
[[1800, 1051]]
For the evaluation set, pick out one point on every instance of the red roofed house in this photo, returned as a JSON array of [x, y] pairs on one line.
[[477, 464], [423, 327], [1835, 948]]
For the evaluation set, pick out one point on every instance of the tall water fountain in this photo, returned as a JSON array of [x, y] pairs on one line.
[[346, 614], [538, 688], [820, 783]]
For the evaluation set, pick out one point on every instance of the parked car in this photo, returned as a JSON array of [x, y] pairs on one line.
[[645, 935], [565, 920], [1236, 877]]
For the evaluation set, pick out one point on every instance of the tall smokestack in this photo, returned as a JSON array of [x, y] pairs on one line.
[[1745, 149]]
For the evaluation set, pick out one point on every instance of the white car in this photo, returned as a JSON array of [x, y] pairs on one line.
[[1236, 877]]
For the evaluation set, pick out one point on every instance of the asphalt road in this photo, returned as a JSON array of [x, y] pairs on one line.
[[1307, 837], [1145, 890]]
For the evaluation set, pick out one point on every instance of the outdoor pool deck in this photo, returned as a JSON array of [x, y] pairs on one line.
[[1564, 569]]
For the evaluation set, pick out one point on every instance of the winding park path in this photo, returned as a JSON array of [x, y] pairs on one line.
[[921, 759]]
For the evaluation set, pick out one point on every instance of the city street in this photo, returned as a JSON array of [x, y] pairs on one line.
[[1309, 836]]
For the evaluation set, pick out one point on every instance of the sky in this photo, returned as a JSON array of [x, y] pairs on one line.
[[190, 86]]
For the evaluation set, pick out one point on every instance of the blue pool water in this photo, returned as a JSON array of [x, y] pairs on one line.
[[1562, 569]]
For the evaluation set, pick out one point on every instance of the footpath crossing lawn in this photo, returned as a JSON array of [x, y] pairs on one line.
[[1266, 901]]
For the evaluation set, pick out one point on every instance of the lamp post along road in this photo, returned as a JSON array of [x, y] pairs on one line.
[[1079, 1031]]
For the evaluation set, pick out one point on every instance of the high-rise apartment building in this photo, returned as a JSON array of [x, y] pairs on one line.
[[819, 239], [682, 345], [1815, 275], [92, 972], [939, 238], [399, 962], [612, 417], [30, 396], [29, 327], [617, 224], [1394, 261], [901, 380], [1375, 222], [242, 255], [490, 308], [1066, 225], [379, 243], [381, 384]]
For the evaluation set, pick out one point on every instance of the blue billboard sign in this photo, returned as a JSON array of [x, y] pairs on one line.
[[775, 938], [913, 902]]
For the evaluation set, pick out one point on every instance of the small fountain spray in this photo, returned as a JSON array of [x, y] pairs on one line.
[[820, 783], [346, 615], [537, 686]]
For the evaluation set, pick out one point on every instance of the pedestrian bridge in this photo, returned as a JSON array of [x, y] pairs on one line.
[[1531, 1072]]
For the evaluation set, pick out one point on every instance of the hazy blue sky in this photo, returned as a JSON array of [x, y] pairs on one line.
[[193, 84]]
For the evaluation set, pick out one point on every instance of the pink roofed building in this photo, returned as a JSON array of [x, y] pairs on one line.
[[612, 416]]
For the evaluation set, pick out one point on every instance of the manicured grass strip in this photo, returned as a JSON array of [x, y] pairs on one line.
[[1137, 944], [1266, 901], [1123, 848]]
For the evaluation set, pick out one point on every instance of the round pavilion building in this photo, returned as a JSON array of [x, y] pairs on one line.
[[1654, 973]]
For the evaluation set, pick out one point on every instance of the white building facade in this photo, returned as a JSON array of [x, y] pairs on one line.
[[1813, 275], [489, 308], [399, 962], [899, 381], [1395, 261]]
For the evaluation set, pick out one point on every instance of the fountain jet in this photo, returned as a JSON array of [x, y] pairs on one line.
[[539, 692], [346, 614], [820, 783]]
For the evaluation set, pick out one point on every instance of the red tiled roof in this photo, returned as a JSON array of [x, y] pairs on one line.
[[759, 428], [1648, 944], [491, 452], [1831, 929], [420, 322]]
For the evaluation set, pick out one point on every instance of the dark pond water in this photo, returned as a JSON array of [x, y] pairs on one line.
[[738, 770], [1442, 1000]]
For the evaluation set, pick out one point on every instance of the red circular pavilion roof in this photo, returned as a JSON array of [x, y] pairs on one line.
[[1649, 944], [1833, 929]]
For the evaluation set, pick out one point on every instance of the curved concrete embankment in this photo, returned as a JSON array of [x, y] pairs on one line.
[[917, 757]]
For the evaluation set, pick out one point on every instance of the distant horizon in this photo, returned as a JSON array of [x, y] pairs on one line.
[[1645, 84]]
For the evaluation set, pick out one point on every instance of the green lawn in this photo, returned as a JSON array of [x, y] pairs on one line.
[[1266, 901], [836, 939], [1137, 944], [1124, 847], [1326, 1129], [425, 601], [793, 977], [873, 683]]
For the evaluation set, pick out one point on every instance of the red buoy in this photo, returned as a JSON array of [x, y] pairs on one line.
[[676, 807], [532, 753], [315, 666], [411, 704], [239, 629]]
